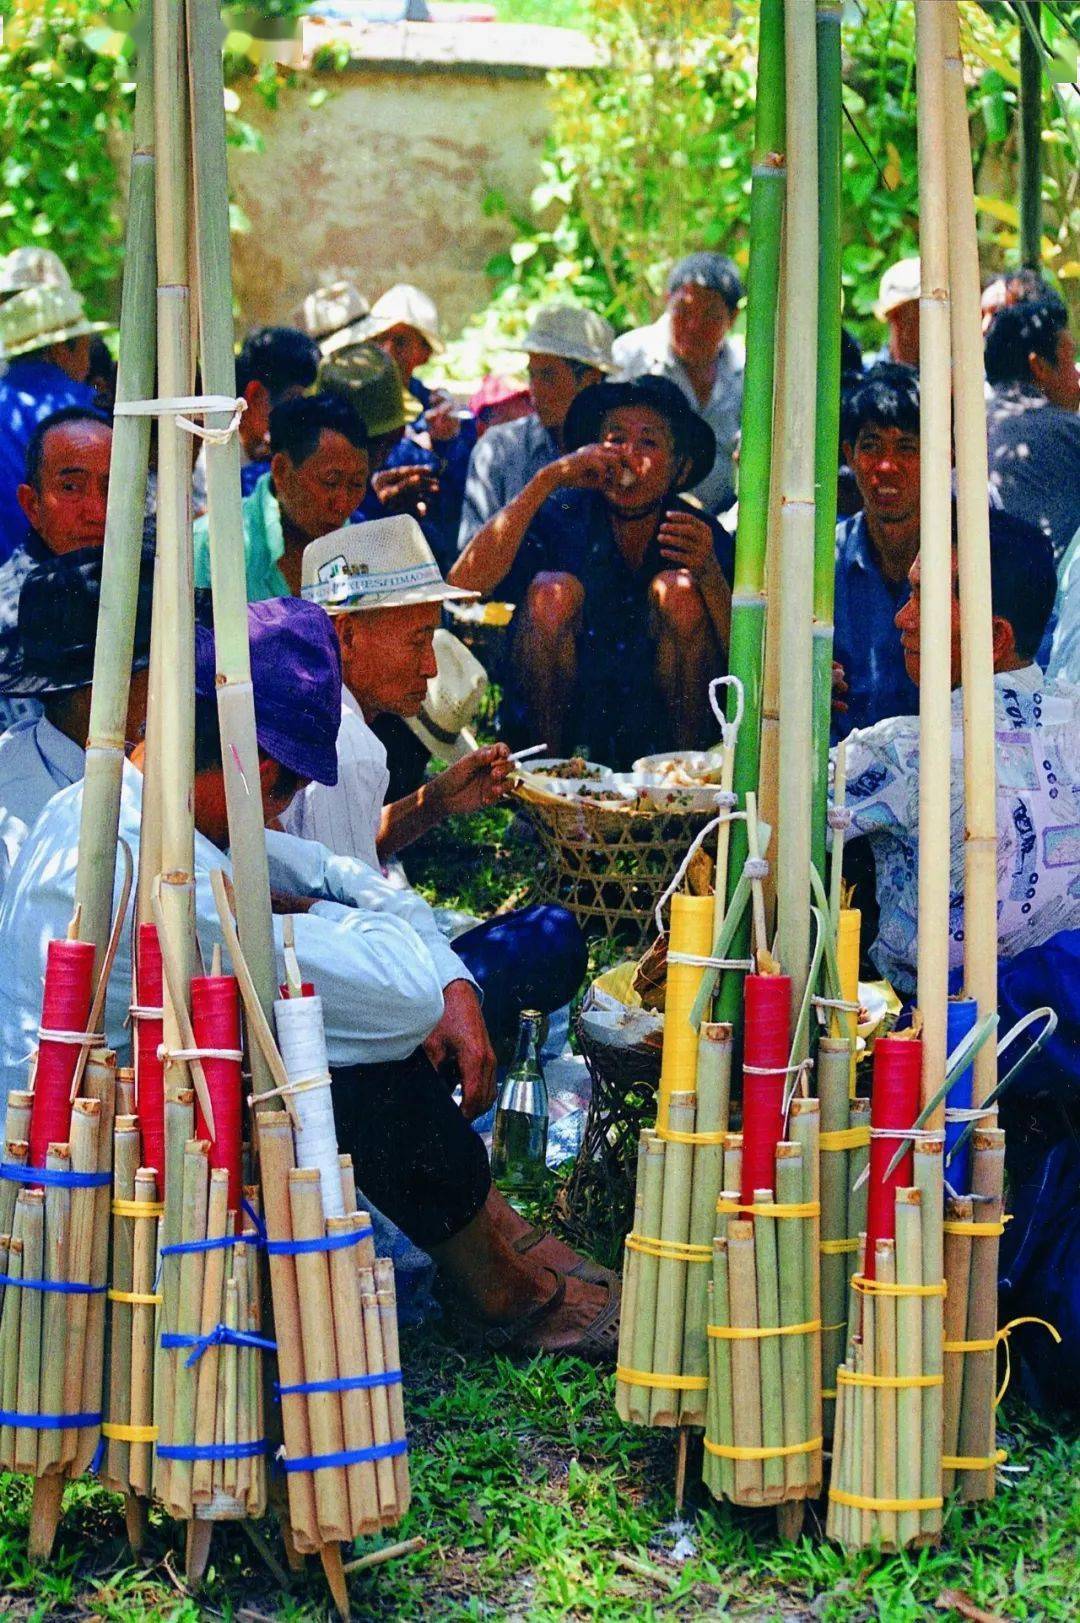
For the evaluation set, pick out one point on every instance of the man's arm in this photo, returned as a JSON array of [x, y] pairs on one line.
[[476, 781]]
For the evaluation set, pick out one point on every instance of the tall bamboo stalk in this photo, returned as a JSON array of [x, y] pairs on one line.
[[827, 422], [236, 706], [123, 538], [973, 554], [798, 415], [935, 734], [746, 654], [1030, 136]]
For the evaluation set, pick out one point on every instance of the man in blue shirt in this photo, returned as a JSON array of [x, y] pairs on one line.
[[45, 335], [875, 549]]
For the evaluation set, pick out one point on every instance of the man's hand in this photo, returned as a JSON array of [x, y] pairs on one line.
[[459, 1047], [441, 419], [406, 490], [594, 467], [282, 901], [686, 541], [839, 687], [479, 779]]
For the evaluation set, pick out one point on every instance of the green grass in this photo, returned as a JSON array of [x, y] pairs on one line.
[[555, 13], [537, 1504]]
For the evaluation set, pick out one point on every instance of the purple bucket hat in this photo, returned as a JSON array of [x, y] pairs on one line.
[[296, 674]]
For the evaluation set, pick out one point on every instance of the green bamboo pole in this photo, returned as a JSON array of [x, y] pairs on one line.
[[713, 1089], [123, 537], [671, 1275], [720, 1374], [745, 1362], [768, 1314], [645, 1320], [827, 422], [746, 654], [1030, 136], [909, 1361], [236, 707], [793, 1349], [631, 1272], [797, 419]]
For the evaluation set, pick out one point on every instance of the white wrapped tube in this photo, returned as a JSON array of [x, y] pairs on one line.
[[302, 1042]]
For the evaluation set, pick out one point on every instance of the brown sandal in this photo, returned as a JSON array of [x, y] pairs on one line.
[[591, 1273], [598, 1341]]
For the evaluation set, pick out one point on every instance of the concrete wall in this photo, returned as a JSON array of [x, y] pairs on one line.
[[385, 181]]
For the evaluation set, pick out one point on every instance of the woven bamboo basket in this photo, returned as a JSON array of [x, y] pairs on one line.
[[607, 863]]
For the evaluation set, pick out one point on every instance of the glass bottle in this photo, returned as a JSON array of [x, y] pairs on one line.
[[519, 1138]]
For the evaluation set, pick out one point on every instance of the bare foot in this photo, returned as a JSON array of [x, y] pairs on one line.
[[564, 1328]]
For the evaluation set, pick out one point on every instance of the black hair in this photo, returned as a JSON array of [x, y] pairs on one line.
[[1023, 580], [886, 397], [35, 447], [208, 748], [711, 270], [1025, 286], [295, 425], [581, 369], [850, 354], [280, 358], [1019, 330]]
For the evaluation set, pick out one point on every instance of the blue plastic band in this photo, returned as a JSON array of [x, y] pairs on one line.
[[222, 1242], [344, 1383], [60, 1286], [352, 1456], [220, 1336], [49, 1422], [211, 1451], [332, 1242], [15, 1172]]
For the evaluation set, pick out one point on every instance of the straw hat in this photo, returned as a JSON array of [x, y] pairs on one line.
[[573, 334], [693, 437], [452, 700], [400, 306], [330, 311], [385, 564], [901, 283], [31, 267], [41, 315], [370, 380]]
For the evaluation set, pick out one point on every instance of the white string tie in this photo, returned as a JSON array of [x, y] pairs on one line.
[[289, 1088], [960, 1113], [729, 730], [839, 817], [756, 868], [695, 846], [73, 1039], [140, 1011], [916, 1135], [201, 405], [700, 961], [189, 1054], [800, 1073], [726, 800], [843, 1004]]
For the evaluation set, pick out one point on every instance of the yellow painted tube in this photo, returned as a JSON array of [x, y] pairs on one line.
[[691, 932], [848, 933]]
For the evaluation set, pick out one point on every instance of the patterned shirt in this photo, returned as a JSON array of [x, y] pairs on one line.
[[1037, 726], [1035, 461]]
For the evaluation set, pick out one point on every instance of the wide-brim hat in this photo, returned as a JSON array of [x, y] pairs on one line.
[[50, 649], [41, 315], [900, 284], [31, 267], [330, 310], [400, 306], [384, 564], [571, 333], [453, 697], [370, 380], [296, 679], [694, 439]]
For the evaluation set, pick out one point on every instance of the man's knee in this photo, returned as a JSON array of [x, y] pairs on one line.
[[557, 935], [553, 603], [677, 605]]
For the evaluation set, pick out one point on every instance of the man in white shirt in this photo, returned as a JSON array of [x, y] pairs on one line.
[[380, 967], [381, 586], [49, 656]]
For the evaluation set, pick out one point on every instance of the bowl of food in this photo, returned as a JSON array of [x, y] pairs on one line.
[[688, 780], [569, 777]]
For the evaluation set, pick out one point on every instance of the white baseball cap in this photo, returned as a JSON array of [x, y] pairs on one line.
[[385, 564], [573, 334], [402, 306], [900, 284], [452, 700]]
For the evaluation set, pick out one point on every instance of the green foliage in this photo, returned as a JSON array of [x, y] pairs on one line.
[[64, 89], [650, 155]]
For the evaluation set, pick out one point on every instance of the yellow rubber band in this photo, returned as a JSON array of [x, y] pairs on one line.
[[970, 1346], [136, 1298], [875, 1287], [128, 1434], [730, 1332], [837, 1248], [674, 1383], [894, 1383], [669, 1250], [859, 1501], [805, 1208], [727, 1451], [973, 1462], [990, 1230], [845, 1138], [828, 1391], [690, 1138], [138, 1208]]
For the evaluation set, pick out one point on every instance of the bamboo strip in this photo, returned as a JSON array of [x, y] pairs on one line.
[[793, 1349], [244, 1357], [195, 1185], [32, 1202], [958, 1278], [85, 1119], [257, 1490], [671, 1274], [711, 1116], [836, 1514], [217, 1226], [804, 1129], [909, 1360], [977, 1424], [929, 1180], [380, 1404], [99, 1084], [832, 1073], [724, 1424], [384, 1285], [125, 1166], [9, 1341], [768, 1317], [230, 1358], [645, 1325], [352, 1361], [142, 1333], [320, 1357], [886, 1440], [745, 1362], [54, 1329], [631, 1274]]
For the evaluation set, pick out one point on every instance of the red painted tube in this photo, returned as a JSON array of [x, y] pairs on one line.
[[65, 1006], [894, 1103], [215, 1020], [307, 989], [149, 1070], [768, 1019]]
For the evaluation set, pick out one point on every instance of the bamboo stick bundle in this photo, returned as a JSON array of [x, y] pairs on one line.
[[126, 1148], [977, 1430], [631, 1275], [179, 1127], [380, 1405], [143, 1268], [387, 1294], [320, 1355], [746, 653], [357, 1425], [636, 1393], [710, 1124]]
